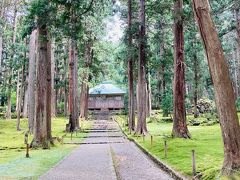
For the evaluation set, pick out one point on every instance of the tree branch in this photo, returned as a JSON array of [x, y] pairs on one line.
[[88, 9]]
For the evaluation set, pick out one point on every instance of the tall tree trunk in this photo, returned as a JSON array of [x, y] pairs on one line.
[[65, 85], [86, 106], [17, 92], [19, 104], [159, 87], [149, 96], [49, 89], [224, 94], [85, 79], [25, 87], [43, 79], [23, 90], [163, 79], [31, 81], [131, 106], [53, 101], [10, 71], [179, 118], [160, 74], [195, 84], [57, 90], [163, 84], [25, 102], [141, 125], [76, 92], [84, 96], [72, 113]]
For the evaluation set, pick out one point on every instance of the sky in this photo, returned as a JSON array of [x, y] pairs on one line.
[[114, 27]]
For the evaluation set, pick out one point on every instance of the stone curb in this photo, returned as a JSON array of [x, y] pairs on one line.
[[174, 174]]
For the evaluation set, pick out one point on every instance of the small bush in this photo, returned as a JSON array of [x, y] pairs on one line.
[[14, 115], [195, 122], [207, 119], [206, 105], [2, 109]]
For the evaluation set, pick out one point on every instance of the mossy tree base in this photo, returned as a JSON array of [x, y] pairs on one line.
[[44, 144]]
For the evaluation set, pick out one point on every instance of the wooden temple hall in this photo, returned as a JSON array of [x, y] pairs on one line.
[[106, 97]]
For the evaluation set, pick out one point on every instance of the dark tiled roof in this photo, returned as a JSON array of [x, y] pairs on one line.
[[106, 88]]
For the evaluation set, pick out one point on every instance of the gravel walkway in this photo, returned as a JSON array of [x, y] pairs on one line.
[[106, 155]]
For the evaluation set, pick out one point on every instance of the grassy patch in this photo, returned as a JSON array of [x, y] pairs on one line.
[[13, 163], [206, 141]]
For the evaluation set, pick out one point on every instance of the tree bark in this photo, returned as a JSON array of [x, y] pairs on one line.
[[57, 90], [224, 94], [161, 53], [85, 79], [49, 93], [76, 92], [179, 118], [149, 96], [25, 102], [84, 96], [53, 101], [163, 78], [18, 87], [65, 85], [31, 80], [160, 74], [25, 87], [72, 113], [141, 125], [19, 104], [131, 106], [196, 79], [43, 91]]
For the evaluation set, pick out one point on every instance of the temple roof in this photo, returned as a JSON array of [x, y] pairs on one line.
[[106, 88]]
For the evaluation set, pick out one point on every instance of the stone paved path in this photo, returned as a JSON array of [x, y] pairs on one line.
[[106, 155]]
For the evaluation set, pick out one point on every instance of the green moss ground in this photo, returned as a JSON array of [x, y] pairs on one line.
[[206, 141], [14, 165]]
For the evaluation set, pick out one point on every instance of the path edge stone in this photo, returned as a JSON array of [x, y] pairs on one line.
[[174, 174]]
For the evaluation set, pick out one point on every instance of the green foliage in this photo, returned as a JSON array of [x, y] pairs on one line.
[[60, 107], [238, 103], [167, 103]]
